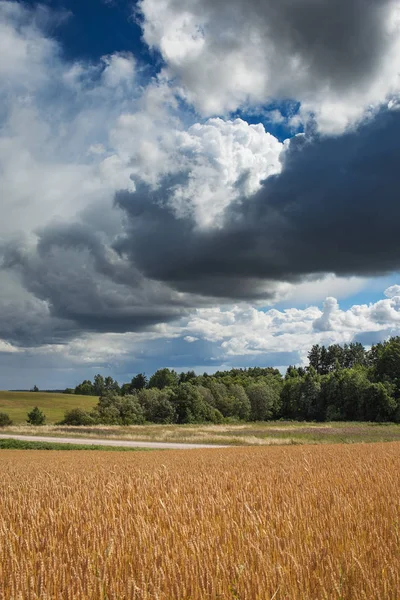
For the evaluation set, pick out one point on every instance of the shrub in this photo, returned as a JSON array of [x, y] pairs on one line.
[[77, 416], [36, 417], [5, 420], [119, 410]]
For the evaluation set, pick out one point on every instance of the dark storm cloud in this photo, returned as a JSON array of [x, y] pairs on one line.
[[297, 48], [72, 282], [341, 41], [334, 208]]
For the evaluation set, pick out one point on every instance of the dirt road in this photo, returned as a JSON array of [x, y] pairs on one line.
[[98, 442]]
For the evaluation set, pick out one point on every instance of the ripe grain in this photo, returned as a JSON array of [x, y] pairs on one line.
[[288, 523]]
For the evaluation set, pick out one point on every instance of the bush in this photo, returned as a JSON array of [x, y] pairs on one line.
[[77, 416], [5, 420], [156, 405], [214, 416], [119, 410], [36, 417]]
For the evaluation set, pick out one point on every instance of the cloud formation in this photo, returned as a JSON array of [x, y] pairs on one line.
[[210, 338], [318, 215], [244, 334], [336, 58]]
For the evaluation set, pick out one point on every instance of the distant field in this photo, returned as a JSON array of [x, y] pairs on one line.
[[18, 404], [298, 523]]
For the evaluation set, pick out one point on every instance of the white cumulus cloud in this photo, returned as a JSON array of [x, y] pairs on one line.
[[243, 330]]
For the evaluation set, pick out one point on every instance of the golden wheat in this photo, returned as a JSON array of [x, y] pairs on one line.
[[306, 523]]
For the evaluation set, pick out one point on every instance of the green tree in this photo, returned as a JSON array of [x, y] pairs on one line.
[[354, 354], [290, 397], [139, 382], [5, 420], [157, 405], [315, 357], [163, 378], [190, 406], [98, 385], [241, 406], [119, 410], [189, 376], [222, 400], [218, 391], [85, 388], [344, 393], [385, 358], [294, 372], [206, 394], [36, 417], [335, 357], [309, 398], [126, 389], [230, 399], [377, 403], [130, 410], [264, 401], [111, 386]]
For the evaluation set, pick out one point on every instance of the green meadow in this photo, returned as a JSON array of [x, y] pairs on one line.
[[18, 404]]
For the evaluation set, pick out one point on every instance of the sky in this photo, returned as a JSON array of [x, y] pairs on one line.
[[195, 184]]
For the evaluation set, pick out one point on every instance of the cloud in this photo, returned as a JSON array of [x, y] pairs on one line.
[[25, 51], [120, 69], [207, 339], [315, 289], [392, 291], [80, 284], [60, 171], [53, 114], [330, 311], [152, 259], [245, 332], [337, 59], [318, 215], [225, 161]]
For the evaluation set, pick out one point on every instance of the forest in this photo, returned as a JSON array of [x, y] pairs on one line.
[[339, 383]]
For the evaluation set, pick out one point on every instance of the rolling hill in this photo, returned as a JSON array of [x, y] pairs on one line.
[[18, 404]]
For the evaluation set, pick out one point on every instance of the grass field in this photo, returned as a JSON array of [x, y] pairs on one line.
[[18, 404], [282, 523], [256, 434]]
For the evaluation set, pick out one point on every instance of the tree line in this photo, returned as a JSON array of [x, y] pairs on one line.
[[343, 383]]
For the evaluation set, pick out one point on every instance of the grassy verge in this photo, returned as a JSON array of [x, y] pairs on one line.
[[20, 445]]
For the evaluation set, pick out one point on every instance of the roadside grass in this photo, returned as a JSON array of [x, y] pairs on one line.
[[10, 444], [18, 404], [249, 434]]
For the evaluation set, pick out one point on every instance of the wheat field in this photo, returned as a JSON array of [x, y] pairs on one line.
[[306, 523]]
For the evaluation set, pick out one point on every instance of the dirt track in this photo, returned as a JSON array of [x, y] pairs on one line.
[[99, 442]]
